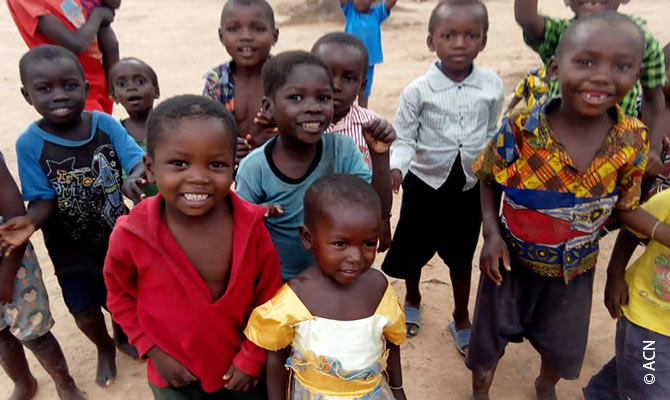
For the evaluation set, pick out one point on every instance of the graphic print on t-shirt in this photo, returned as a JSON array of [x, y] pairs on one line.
[[87, 182], [662, 278]]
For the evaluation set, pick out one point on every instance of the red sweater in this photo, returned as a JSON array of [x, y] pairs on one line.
[[159, 299]]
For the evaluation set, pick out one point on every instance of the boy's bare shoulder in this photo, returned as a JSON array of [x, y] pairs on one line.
[[375, 281]]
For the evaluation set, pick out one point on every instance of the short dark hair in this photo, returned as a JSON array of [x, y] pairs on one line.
[[263, 4], [174, 109], [451, 3], [341, 189], [150, 71], [47, 52], [606, 17], [277, 69], [345, 39]]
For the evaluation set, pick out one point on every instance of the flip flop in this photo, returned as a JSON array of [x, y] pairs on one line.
[[461, 337], [412, 317]]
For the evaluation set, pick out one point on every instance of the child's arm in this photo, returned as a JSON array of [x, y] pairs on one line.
[[394, 370], [646, 224], [343, 2], [525, 12], [616, 291], [109, 47], [11, 205], [277, 375], [16, 231], [390, 4], [171, 371], [79, 40], [407, 130], [510, 107], [494, 247], [113, 4]]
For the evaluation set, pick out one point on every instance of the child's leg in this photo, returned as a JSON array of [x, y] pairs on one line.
[[363, 99], [545, 383], [49, 354], [121, 342], [15, 365], [85, 295]]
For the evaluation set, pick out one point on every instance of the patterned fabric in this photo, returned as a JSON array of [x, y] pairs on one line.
[[300, 362], [219, 85], [533, 87], [662, 181], [653, 61], [352, 125], [27, 315], [543, 189]]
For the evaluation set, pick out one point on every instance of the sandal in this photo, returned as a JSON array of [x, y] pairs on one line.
[[412, 320], [461, 337]]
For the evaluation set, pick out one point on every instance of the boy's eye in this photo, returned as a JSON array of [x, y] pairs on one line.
[[473, 36], [232, 28], [295, 97], [43, 89], [371, 243], [586, 63], [339, 244], [71, 85], [623, 66], [349, 78], [178, 163], [325, 97], [447, 35], [260, 28], [121, 83], [218, 164], [139, 81]]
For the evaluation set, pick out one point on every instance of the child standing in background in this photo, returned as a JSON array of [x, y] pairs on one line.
[[64, 23], [107, 42], [337, 326], [248, 32], [364, 21], [445, 118], [134, 84], [543, 34]]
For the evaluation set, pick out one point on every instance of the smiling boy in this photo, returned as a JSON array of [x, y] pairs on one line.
[[187, 266]]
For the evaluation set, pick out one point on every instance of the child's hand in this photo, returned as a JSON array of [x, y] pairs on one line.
[[654, 163], [616, 295], [272, 210], [243, 149], [396, 180], [268, 129], [385, 235], [15, 232], [378, 134], [105, 14], [493, 250], [132, 186], [171, 370], [238, 380], [399, 394], [6, 291]]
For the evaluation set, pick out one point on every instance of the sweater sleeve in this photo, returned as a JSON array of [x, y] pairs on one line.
[[120, 275], [251, 358]]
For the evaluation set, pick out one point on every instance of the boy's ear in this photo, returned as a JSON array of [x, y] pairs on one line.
[[267, 106], [149, 168], [275, 36], [552, 69], [625, 1], [26, 96], [305, 237], [157, 92], [220, 33], [429, 42], [87, 88], [485, 39]]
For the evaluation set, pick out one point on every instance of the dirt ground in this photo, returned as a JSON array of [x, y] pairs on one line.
[[178, 38]]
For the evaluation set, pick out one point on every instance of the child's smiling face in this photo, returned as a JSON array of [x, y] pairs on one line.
[[363, 6], [346, 64], [598, 65], [132, 86], [192, 165], [457, 37], [248, 34], [344, 241], [56, 88], [584, 7], [302, 107]]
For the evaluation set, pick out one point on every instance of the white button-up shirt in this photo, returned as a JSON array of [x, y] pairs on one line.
[[438, 118]]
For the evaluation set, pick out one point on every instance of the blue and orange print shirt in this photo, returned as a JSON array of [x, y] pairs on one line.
[[552, 212]]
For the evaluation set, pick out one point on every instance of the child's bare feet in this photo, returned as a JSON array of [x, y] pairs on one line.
[[545, 391], [70, 391], [106, 372], [24, 390]]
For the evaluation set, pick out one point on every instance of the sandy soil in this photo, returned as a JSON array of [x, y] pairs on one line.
[[178, 38]]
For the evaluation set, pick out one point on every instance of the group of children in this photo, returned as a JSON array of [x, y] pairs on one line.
[[267, 291]]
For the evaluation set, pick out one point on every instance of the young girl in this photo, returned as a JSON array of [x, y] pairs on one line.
[[334, 329], [134, 84], [25, 319]]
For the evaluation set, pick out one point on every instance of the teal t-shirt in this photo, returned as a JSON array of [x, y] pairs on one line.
[[260, 181]]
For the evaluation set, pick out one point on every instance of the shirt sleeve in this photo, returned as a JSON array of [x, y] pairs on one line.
[[129, 152], [267, 328], [381, 11], [251, 357], [34, 183], [28, 12], [494, 112], [347, 9], [247, 180], [406, 125], [120, 275], [395, 330], [630, 177], [497, 155], [653, 61], [545, 45], [352, 159]]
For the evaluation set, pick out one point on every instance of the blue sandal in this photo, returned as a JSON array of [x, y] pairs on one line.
[[461, 337], [412, 317]]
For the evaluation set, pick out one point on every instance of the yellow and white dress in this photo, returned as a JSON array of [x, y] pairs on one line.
[[330, 359]]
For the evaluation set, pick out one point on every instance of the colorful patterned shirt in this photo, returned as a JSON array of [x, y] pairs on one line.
[[553, 213], [653, 61], [219, 85], [533, 87]]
